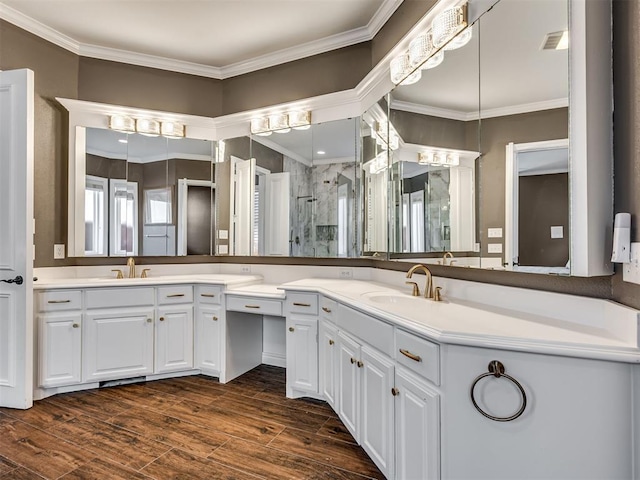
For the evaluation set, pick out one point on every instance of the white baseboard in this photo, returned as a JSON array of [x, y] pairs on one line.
[[274, 359]]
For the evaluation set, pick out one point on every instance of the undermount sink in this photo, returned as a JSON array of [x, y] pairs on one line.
[[389, 297]]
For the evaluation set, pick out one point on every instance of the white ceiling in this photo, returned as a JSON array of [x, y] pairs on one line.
[[222, 37]]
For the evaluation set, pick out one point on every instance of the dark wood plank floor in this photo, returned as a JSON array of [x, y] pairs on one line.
[[182, 428]]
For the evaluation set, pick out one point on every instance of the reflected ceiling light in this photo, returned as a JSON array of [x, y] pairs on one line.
[[123, 140], [425, 158], [434, 61], [172, 130], [279, 123], [321, 152], [300, 120], [420, 49], [260, 126], [448, 24], [148, 127], [460, 40], [122, 123]]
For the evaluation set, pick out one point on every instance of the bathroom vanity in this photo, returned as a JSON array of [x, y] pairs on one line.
[[470, 387]]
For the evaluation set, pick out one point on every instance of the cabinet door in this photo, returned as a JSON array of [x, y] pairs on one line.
[[60, 342], [377, 426], [117, 343], [174, 339], [302, 353], [417, 409], [328, 354], [348, 393], [207, 339]]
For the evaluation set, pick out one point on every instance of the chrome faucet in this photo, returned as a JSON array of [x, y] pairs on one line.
[[428, 288], [131, 264]]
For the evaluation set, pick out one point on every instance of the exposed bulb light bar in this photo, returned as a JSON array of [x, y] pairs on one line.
[[148, 127], [172, 129], [445, 159], [448, 24]]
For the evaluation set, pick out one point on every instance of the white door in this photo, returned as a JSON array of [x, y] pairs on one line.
[[207, 339], [276, 224], [348, 384], [328, 364], [16, 239], [174, 339], [302, 353], [242, 196]]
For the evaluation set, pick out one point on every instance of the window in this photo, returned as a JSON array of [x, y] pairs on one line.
[[157, 204], [124, 217], [95, 216]]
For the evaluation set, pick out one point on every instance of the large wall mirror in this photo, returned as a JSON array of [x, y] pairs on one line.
[[291, 194]]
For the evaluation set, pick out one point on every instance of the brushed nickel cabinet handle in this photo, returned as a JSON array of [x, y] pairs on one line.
[[173, 295], [395, 392], [360, 364], [252, 306], [291, 329], [59, 301], [161, 319], [331, 342], [299, 304], [325, 309], [410, 355], [149, 320], [210, 295], [75, 325], [215, 319], [353, 360]]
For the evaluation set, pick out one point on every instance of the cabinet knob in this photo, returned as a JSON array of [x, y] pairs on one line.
[[215, 319], [149, 320], [395, 392], [75, 325], [353, 360], [331, 342], [161, 319], [360, 364], [291, 329]]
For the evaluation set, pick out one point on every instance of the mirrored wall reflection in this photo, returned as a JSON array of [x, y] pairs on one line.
[[291, 193], [147, 196], [524, 89], [434, 162]]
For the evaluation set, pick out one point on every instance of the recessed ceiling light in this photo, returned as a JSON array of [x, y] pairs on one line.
[[321, 152], [123, 140]]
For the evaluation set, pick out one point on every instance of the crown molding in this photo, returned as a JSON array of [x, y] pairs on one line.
[[39, 29], [489, 113], [316, 47]]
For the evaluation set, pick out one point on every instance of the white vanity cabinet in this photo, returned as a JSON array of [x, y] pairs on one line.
[[59, 323], [174, 329], [208, 329], [118, 342], [301, 310]]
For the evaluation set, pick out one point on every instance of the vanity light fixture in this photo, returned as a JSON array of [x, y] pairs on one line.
[[448, 24], [445, 159], [148, 127], [448, 31], [172, 129], [122, 123], [281, 123]]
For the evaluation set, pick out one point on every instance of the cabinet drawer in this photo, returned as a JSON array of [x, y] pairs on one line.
[[376, 333], [260, 306], [175, 294], [55, 300], [208, 294], [419, 355], [327, 308], [119, 297], [305, 303]]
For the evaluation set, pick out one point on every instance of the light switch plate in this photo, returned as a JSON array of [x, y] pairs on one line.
[[58, 251], [494, 232], [223, 249], [223, 234], [557, 232], [631, 270], [494, 248]]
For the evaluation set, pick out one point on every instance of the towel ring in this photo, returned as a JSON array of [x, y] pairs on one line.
[[496, 368]]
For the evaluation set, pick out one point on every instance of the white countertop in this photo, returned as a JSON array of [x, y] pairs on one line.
[[464, 322], [229, 280], [263, 290]]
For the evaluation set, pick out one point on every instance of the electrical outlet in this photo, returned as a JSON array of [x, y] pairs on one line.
[[345, 273], [58, 251], [245, 269], [494, 232], [631, 270], [494, 248]]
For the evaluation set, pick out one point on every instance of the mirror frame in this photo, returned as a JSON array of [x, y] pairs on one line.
[[590, 126]]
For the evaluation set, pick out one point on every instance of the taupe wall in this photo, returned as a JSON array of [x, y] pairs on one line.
[[626, 129], [543, 202]]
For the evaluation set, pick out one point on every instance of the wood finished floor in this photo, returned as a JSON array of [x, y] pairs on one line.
[[182, 428]]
